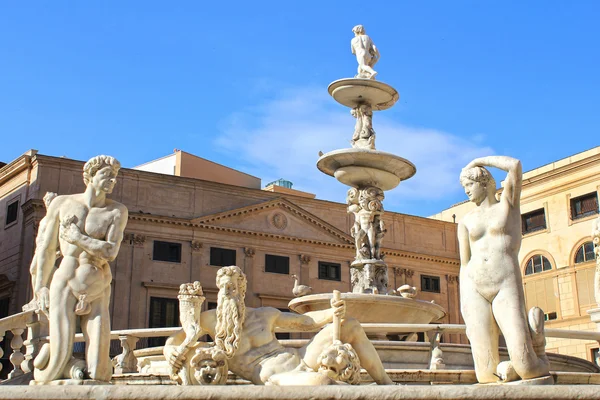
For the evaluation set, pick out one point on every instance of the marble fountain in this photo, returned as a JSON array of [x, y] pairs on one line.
[[352, 329]]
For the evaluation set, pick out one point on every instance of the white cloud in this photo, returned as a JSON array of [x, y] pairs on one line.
[[281, 138]]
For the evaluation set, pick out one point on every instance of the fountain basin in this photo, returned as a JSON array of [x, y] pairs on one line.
[[353, 92], [363, 167], [374, 308]]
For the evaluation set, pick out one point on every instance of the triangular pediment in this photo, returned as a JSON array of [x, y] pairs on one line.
[[278, 216]]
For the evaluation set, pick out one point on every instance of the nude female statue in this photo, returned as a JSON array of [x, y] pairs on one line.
[[88, 227], [491, 293]]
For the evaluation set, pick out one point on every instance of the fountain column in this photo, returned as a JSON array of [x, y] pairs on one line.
[[368, 171]]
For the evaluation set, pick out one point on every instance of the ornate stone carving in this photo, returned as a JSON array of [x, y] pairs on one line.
[[89, 230], [364, 134], [366, 53], [138, 240], [489, 266], [126, 362], [452, 278], [241, 331], [279, 221], [409, 273], [249, 252], [196, 246], [304, 259]]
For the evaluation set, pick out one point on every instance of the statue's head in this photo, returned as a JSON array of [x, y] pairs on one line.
[[358, 30], [478, 183], [231, 310], [340, 363], [101, 172]]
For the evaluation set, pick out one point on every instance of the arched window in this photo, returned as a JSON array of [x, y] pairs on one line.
[[585, 253], [537, 263]]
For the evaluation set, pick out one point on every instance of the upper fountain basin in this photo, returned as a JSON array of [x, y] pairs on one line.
[[353, 92], [358, 167]]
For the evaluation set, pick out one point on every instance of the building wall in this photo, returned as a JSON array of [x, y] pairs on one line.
[[200, 214], [166, 165], [567, 289]]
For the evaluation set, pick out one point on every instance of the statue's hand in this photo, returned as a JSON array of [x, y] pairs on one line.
[[339, 307], [70, 232], [176, 359], [43, 299]]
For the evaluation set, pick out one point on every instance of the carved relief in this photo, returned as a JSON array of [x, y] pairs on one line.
[[279, 220], [452, 278], [249, 252], [196, 246], [304, 259], [138, 239]]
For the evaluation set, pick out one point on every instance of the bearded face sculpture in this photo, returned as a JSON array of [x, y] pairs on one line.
[[231, 310]]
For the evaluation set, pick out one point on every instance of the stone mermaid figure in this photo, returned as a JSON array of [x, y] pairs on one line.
[[88, 228], [491, 293]]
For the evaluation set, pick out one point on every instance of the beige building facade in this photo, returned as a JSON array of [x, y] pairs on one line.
[[559, 202], [183, 225]]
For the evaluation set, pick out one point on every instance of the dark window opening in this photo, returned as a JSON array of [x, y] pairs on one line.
[[167, 251], [536, 264], [12, 212], [330, 271], [164, 313], [277, 264], [550, 316], [283, 335], [533, 221], [585, 253], [222, 257], [430, 283], [584, 206]]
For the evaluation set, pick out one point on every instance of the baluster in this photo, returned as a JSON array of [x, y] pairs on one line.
[[437, 356], [37, 333], [16, 358], [1, 347], [126, 361]]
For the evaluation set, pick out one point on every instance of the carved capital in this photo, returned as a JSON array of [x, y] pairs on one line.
[[196, 246], [409, 273], [304, 259], [452, 278], [138, 240], [398, 271], [249, 252]]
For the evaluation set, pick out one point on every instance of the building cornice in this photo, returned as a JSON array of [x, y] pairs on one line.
[[13, 168]]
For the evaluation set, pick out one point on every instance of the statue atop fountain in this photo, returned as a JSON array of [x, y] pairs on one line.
[[366, 53], [491, 295]]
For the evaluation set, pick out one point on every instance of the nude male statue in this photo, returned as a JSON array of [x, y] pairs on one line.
[[247, 336], [491, 294], [367, 54], [88, 227]]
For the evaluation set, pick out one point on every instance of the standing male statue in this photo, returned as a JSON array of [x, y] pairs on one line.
[[367, 54], [246, 336], [88, 227], [491, 293]]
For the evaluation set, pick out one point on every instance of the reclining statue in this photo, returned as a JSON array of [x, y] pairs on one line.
[[246, 339], [491, 292]]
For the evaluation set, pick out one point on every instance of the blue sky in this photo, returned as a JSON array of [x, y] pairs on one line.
[[245, 84]]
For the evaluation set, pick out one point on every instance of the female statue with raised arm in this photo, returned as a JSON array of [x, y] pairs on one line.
[[491, 294]]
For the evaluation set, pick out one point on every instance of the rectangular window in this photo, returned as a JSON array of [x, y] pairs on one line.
[[222, 257], [330, 271], [584, 206], [533, 221], [167, 251], [277, 264], [430, 283], [164, 313], [12, 212]]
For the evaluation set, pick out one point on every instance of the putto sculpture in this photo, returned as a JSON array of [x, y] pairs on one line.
[[366, 53], [246, 337], [88, 229], [491, 293]]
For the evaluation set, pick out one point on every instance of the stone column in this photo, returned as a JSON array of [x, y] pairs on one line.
[[453, 305], [249, 253], [136, 290], [37, 336], [409, 273], [304, 269], [196, 260]]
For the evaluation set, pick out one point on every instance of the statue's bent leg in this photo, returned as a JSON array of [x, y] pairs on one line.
[[62, 332], [351, 332], [482, 331], [96, 329], [509, 310]]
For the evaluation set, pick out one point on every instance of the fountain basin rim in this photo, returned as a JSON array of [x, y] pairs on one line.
[[352, 92]]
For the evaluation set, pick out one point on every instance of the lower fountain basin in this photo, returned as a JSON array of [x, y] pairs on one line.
[[374, 308]]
